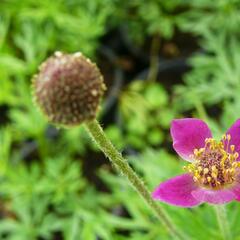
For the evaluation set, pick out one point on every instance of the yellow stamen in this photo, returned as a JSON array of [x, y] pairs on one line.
[[205, 170], [228, 137], [214, 175], [214, 165]]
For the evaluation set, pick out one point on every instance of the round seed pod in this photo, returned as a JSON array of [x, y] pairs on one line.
[[68, 89]]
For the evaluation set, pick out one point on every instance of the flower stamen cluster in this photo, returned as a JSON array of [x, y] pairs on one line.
[[215, 165], [213, 175]]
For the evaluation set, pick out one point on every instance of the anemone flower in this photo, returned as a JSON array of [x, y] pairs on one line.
[[213, 172]]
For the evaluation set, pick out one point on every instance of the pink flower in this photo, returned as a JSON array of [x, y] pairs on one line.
[[213, 172]]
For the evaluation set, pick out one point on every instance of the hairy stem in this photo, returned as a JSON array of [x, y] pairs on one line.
[[223, 221], [124, 168]]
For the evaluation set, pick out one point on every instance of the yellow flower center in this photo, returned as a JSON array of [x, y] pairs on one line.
[[215, 165]]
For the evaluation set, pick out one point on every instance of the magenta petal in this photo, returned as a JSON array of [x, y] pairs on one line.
[[236, 188], [177, 191], [214, 196], [234, 131], [188, 134]]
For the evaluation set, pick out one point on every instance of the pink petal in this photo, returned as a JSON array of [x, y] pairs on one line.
[[214, 196], [237, 193], [177, 191], [236, 188], [188, 134], [234, 131]]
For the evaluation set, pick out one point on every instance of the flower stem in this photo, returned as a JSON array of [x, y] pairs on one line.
[[124, 168], [223, 221]]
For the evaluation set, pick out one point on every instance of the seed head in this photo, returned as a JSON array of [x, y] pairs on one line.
[[68, 89]]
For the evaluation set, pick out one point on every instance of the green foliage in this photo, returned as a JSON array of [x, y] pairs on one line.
[[54, 183], [154, 17], [145, 114], [214, 78], [41, 199], [198, 222], [215, 74], [50, 25], [204, 16]]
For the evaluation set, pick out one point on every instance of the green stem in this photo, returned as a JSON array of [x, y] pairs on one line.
[[123, 167], [155, 47], [223, 221]]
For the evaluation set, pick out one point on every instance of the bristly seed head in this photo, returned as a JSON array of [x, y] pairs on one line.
[[215, 165], [68, 89]]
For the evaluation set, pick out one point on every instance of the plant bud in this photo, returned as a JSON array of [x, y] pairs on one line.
[[68, 89]]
